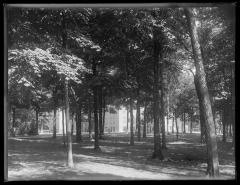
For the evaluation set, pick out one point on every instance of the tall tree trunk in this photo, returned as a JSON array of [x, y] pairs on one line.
[[145, 120], [184, 122], [96, 143], [213, 162], [173, 122], [100, 107], [69, 137], [36, 126], [63, 127], [104, 113], [54, 122], [163, 102], [138, 119], [224, 124], [131, 122], [127, 118], [202, 121], [157, 153], [68, 129], [233, 103], [191, 122], [95, 108], [13, 121], [79, 123], [230, 129], [89, 118], [167, 113], [176, 125], [72, 126]]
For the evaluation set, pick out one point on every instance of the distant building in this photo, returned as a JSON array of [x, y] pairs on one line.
[[115, 121]]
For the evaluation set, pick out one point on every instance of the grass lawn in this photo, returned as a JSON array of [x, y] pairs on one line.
[[44, 158]]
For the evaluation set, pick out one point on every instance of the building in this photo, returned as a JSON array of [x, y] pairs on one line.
[[115, 122]]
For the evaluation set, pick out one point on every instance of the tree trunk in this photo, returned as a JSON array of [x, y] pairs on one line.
[[131, 122], [213, 163], [163, 102], [176, 125], [104, 113], [72, 123], [63, 127], [89, 118], [127, 118], [95, 109], [145, 120], [13, 121], [224, 124], [202, 121], [69, 137], [79, 124], [68, 129], [100, 107], [167, 113], [36, 126], [173, 122], [230, 129], [138, 119], [54, 122], [233, 104], [191, 121], [184, 122], [157, 153]]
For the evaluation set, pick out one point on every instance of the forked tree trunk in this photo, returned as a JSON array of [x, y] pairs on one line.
[[69, 137], [213, 162], [131, 122], [157, 153]]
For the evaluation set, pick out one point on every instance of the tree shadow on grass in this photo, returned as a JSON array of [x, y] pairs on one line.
[[184, 159]]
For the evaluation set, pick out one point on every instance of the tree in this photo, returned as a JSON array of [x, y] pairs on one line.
[[131, 122], [213, 168], [69, 138], [79, 123], [157, 153]]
